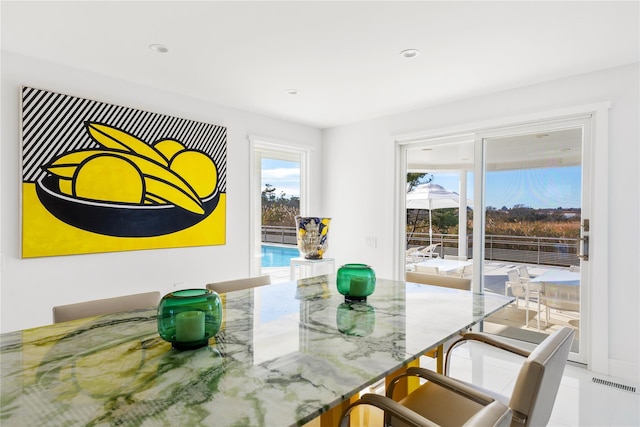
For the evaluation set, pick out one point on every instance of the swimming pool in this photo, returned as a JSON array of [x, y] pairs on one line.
[[278, 256]]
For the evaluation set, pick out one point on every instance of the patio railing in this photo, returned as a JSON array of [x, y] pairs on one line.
[[529, 250], [523, 249], [279, 234]]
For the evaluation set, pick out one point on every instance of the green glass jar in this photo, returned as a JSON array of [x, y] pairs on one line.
[[189, 317], [356, 281], [357, 319]]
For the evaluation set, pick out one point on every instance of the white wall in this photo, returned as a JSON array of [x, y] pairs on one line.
[[359, 190], [30, 287]]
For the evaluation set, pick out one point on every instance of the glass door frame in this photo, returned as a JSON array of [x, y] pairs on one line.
[[594, 121], [259, 147], [482, 138]]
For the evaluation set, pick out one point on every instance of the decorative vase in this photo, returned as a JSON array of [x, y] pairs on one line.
[[311, 233], [356, 281], [356, 319], [188, 318]]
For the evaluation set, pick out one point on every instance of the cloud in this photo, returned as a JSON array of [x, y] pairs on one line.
[[281, 174]]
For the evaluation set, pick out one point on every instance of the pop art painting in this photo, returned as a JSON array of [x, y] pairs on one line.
[[97, 177]]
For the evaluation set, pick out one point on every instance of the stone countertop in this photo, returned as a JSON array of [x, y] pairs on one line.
[[285, 353]]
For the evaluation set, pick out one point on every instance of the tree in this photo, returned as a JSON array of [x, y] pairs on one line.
[[269, 193], [278, 210], [415, 179]]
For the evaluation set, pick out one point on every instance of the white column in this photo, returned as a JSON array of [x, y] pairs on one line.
[[462, 218]]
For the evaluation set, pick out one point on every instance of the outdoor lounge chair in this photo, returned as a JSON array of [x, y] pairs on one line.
[[427, 252], [411, 252]]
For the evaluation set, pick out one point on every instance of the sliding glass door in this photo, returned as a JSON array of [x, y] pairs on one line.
[[526, 188]]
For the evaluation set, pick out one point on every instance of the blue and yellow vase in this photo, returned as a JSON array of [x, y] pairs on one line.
[[312, 233]]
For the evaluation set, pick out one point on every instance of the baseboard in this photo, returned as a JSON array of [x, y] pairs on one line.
[[626, 371]]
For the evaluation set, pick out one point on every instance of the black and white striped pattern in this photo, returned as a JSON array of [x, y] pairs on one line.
[[54, 123]]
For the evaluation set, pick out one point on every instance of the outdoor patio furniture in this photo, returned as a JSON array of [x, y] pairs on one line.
[[523, 288], [427, 252], [560, 297], [559, 289], [524, 273], [456, 257], [465, 271], [411, 252], [427, 269]]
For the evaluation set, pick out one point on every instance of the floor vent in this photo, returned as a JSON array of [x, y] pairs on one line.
[[615, 385]]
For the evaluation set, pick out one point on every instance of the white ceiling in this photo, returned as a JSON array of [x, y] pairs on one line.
[[343, 57]]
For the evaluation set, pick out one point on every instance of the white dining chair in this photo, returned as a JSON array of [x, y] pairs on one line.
[[64, 313], [238, 284], [446, 401]]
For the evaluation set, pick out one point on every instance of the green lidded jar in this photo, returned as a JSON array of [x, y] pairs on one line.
[[356, 281], [189, 317]]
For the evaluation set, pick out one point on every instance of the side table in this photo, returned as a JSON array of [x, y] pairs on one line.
[[311, 267]]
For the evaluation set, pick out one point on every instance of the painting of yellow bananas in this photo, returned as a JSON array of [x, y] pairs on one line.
[[97, 177]]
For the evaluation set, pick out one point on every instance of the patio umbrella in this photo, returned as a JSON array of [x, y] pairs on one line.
[[432, 196]]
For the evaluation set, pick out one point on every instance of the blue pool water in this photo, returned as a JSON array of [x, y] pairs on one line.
[[277, 256]]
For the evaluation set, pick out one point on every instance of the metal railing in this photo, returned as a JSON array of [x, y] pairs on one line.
[[279, 234], [529, 250], [523, 249]]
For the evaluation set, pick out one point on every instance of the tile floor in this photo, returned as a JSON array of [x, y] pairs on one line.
[[580, 401]]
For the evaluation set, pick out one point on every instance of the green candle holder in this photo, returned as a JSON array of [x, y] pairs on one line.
[[356, 281], [189, 317]]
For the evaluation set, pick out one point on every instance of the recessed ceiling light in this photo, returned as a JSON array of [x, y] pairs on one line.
[[292, 91], [160, 48], [410, 53]]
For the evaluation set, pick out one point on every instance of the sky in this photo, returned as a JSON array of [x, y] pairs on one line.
[[542, 188], [281, 174]]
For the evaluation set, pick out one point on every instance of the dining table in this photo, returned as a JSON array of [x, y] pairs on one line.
[[286, 354], [557, 275]]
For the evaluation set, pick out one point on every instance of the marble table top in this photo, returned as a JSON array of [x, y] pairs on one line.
[[285, 354]]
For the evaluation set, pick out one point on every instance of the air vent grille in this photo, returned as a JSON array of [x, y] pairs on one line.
[[619, 386]]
